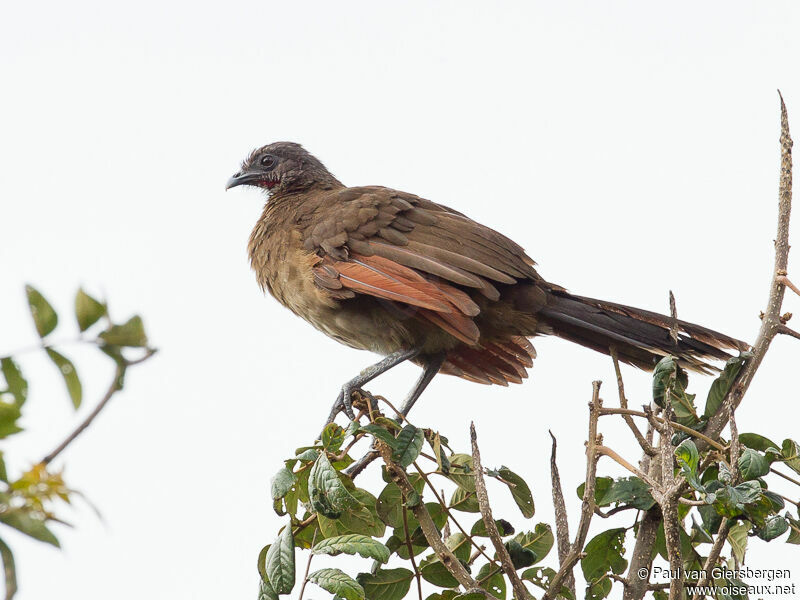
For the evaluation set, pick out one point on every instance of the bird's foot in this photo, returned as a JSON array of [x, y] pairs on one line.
[[344, 402]]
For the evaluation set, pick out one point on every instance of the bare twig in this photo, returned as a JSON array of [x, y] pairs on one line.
[[520, 591], [771, 321], [308, 567], [673, 311], [562, 524], [410, 548], [113, 388], [734, 439], [660, 421], [786, 477], [713, 556], [646, 446], [587, 505], [606, 451]]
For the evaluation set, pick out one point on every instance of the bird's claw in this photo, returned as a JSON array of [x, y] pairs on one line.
[[344, 402]]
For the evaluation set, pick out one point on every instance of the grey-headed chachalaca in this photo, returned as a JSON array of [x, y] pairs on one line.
[[383, 270]]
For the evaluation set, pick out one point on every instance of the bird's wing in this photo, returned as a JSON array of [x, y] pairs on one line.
[[400, 247]]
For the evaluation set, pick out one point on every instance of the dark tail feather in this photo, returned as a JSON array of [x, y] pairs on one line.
[[641, 337]]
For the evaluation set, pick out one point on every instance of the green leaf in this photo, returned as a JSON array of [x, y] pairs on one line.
[[756, 441], [602, 485], [668, 377], [629, 491], [442, 462], [791, 455], [464, 501], [280, 562], [9, 413], [261, 563], [604, 553], [17, 385], [721, 385], [409, 445], [307, 454], [519, 491], [87, 310], [504, 527], [390, 502], [752, 464], [495, 585], [689, 460], [266, 591], [70, 375], [459, 545], [598, 590], [22, 521], [730, 501], [9, 569], [540, 540], [332, 437], [542, 577], [381, 433], [338, 583], [359, 519], [461, 472], [386, 584], [774, 527], [794, 526], [282, 483], [520, 557], [44, 317], [3, 472], [469, 596], [131, 333], [326, 491], [433, 571], [353, 543], [737, 538]]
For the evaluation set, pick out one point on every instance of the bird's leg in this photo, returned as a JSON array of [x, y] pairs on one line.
[[429, 369], [343, 401]]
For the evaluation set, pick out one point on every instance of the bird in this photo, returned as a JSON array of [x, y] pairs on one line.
[[387, 271]]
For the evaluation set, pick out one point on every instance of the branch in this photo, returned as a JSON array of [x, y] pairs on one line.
[[771, 321], [669, 505], [716, 548], [428, 527], [562, 525], [587, 505], [308, 566], [606, 451], [520, 591], [411, 553], [116, 385], [646, 446], [660, 421], [770, 326]]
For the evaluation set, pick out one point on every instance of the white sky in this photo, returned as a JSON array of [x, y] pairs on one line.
[[634, 145]]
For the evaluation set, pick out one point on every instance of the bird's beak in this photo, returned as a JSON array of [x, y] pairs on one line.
[[242, 179]]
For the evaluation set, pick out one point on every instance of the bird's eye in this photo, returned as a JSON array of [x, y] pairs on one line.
[[268, 161]]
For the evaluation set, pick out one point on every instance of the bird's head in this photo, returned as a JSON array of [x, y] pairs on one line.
[[281, 166]]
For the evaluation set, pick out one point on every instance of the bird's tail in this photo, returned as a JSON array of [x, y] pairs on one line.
[[640, 337]]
